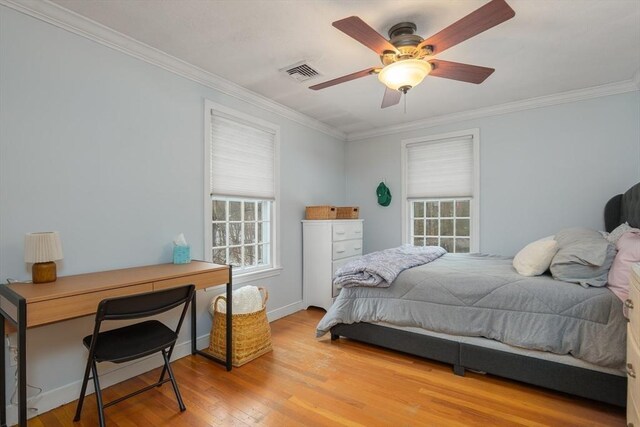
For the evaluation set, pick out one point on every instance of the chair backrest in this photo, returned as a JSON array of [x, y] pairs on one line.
[[144, 305]]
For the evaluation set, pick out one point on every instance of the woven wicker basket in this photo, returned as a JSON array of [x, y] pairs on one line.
[[320, 212], [251, 337], [347, 212]]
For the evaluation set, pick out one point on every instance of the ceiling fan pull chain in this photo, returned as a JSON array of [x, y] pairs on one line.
[[405, 102]]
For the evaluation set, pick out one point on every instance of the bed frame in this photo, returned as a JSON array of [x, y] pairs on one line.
[[582, 382]]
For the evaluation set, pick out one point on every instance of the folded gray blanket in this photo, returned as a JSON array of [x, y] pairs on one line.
[[379, 269]]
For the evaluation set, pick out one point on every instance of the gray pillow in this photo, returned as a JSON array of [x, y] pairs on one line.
[[618, 232], [584, 257]]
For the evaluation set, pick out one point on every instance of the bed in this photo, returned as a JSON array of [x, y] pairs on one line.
[[592, 370]]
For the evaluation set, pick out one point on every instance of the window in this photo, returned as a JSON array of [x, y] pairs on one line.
[[242, 197], [440, 186], [443, 223], [241, 232]]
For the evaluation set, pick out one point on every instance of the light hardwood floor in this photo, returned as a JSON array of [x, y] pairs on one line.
[[310, 382]]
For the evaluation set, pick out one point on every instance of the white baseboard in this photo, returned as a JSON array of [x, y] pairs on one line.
[[285, 311], [115, 374]]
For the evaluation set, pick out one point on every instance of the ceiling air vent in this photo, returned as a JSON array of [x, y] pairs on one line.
[[300, 72]]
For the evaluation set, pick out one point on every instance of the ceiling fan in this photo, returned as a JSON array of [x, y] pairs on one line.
[[404, 55]]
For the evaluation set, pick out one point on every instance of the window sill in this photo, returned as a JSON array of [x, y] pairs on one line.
[[256, 275]]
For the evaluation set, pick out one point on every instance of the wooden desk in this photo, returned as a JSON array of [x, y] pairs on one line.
[[27, 305]]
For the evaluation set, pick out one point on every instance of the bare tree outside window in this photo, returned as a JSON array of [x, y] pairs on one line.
[[445, 223], [241, 229]]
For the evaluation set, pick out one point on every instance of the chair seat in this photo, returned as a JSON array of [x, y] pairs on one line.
[[131, 342]]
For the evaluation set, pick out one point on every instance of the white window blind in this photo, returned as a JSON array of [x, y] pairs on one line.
[[242, 159], [440, 169]]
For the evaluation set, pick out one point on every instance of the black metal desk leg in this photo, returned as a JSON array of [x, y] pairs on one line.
[[22, 362], [229, 320], [3, 380], [17, 316], [194, 337], [193, 325]]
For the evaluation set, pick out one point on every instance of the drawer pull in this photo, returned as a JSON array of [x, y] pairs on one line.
[[357, 249], [630, 370], [358, 232], [339, 251], [628, 303], [340, 232]]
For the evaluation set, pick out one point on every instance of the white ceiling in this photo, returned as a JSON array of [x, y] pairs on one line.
[[550, 46]]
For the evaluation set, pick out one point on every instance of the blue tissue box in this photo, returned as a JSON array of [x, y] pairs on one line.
[[181, 254]]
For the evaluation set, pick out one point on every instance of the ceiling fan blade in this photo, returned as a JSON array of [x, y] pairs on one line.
[[391, 97], [488, 16], [358, 29], [343, 79], [457, 71]]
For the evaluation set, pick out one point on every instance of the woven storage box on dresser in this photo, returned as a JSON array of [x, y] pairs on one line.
[[320, 212], [251, 334], [347, 212]]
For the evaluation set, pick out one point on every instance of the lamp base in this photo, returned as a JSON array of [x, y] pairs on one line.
[[43, 272]]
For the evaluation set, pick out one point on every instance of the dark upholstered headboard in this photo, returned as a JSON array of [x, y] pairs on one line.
[[623, 207]]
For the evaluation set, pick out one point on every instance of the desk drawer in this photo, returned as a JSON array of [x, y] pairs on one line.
[[346, 249], [347, 230], [635, 276], [633, 412], [202, 281], [633, 365], [633, 309], [43, 312]]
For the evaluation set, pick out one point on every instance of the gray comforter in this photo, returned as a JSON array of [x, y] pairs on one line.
[[382, 267], [483, 296]]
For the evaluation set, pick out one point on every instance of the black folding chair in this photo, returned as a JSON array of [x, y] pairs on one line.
[[134, 341]]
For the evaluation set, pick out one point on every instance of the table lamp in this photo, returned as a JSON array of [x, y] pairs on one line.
[[42, 249]]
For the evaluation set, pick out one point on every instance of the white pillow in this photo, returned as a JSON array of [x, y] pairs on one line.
[[535, 258]]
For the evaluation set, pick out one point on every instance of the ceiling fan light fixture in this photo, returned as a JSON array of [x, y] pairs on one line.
[[409, 72]]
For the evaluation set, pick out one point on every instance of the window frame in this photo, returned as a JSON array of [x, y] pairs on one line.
[[406, 204], [259, 272]]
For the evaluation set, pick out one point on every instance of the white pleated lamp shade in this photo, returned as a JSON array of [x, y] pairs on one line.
[[42, 247]]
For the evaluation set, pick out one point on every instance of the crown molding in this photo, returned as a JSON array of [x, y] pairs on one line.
[[68, 20], [625, 86]]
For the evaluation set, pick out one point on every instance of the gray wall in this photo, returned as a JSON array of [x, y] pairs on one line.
[[108, 150], [540, 170]]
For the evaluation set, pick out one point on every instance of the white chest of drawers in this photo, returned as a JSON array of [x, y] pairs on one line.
[[633, 350], [326, 246]]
